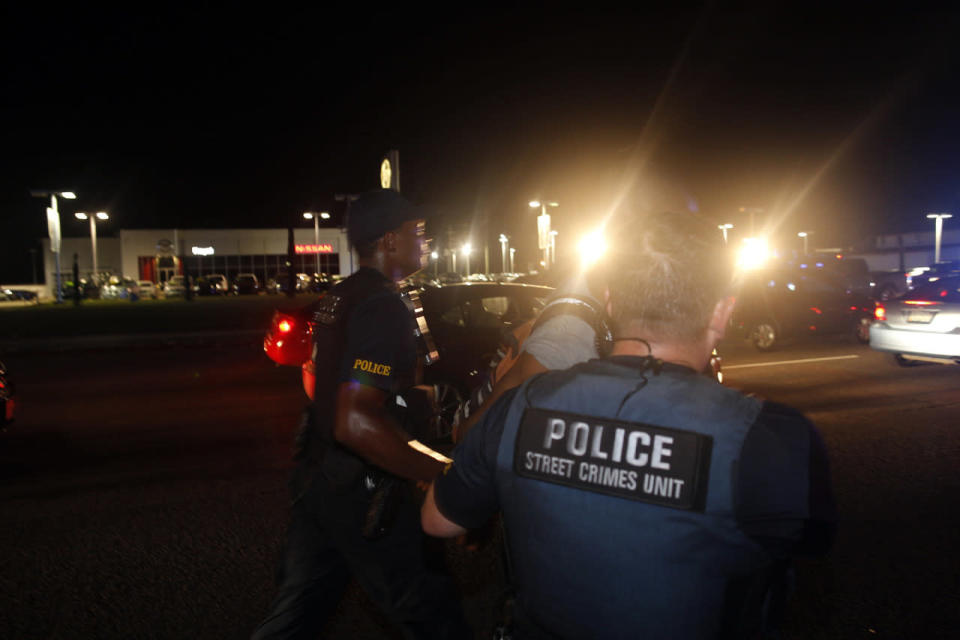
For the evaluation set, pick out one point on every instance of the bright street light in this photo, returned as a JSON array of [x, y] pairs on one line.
[[100, 215], [592, 247], [753, 253], [939, 218], [724, 228]]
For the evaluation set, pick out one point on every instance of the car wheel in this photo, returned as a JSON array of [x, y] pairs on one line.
[[861, 330], [764, 335], [447, 400], [905, 362]]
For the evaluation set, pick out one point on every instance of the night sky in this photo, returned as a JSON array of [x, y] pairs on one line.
[[844, 122]]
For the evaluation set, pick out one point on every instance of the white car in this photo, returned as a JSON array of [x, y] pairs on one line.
[[175, 286], [146, 289], [921, 326]]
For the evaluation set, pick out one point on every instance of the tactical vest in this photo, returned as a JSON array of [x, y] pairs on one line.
[[618, 496]]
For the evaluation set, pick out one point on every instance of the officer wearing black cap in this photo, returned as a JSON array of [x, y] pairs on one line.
[[641, 499], [352, 512]]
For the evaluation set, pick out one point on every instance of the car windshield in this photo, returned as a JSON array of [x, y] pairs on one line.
[[941, 290]]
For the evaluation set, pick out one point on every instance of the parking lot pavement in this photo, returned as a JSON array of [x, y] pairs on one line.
[[127, 341]]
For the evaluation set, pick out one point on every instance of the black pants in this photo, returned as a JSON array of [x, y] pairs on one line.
[[324, 548]]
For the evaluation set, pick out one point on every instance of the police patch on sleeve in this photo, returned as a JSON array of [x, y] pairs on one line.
[[642, 462]]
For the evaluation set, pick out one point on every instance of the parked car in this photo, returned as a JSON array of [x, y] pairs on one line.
[[938, 270], [174, 286], [280, 282], [146, 289], [775, 306], [213, 284], [922, 326], [17, 298], [246, 283], [8, 399]]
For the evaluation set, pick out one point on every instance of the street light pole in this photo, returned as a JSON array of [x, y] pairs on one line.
[[513, 252], [466, 250], [100, 215], [804, 235], [553, 248], [53, 228], [724, 227], [543, 228], [503, 252], [939, 218]]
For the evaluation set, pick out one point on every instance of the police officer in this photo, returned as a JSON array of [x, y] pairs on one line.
[[352, 513], [642, 500]]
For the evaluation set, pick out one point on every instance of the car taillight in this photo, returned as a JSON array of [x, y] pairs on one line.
[[284, 326], [921, 303], [880, 313]]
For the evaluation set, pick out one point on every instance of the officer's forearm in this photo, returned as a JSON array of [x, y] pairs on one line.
[[364, 426], [525, 366]]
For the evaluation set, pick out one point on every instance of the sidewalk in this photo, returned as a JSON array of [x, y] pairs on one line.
[[125, 341]]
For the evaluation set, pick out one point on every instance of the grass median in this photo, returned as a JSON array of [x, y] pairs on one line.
[[174, 315]]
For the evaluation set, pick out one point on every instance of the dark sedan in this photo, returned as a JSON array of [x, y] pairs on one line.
[[776, 306]]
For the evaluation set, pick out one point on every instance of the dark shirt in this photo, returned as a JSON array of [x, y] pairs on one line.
[[381, 348]]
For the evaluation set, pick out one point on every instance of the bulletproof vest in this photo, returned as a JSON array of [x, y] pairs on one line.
[[617, 485]]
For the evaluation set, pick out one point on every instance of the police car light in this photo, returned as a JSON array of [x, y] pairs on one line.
[[880, 313]]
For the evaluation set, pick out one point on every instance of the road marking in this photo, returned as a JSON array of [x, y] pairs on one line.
[[771, 364]]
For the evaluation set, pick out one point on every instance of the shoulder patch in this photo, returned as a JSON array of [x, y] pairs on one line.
[[646, 463]]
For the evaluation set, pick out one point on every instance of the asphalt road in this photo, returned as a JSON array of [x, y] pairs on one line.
[[142, 494]]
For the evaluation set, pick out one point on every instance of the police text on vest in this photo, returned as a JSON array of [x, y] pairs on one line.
[[648, 463]]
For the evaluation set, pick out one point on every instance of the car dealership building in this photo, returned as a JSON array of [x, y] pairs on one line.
[[158, 254]]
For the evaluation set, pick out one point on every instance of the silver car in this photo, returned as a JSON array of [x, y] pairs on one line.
[[921, 326]]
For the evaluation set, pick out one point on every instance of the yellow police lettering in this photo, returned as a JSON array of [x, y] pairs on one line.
[[371, 367]]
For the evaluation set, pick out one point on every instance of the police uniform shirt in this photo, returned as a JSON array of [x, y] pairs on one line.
[[381, 348], [591, 562]]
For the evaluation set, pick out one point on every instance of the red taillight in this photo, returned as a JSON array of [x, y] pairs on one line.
[[880, 313], [920, 303], [816, 310], [284, 326]]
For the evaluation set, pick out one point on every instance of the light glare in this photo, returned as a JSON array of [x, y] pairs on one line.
[[753, 254]]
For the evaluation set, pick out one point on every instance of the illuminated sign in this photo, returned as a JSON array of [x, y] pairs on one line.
[[201, 251], [313, 248]]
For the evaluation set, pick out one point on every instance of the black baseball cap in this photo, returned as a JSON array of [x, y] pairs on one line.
[[375, 213]]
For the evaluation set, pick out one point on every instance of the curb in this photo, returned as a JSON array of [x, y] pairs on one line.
[[128, 341]]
